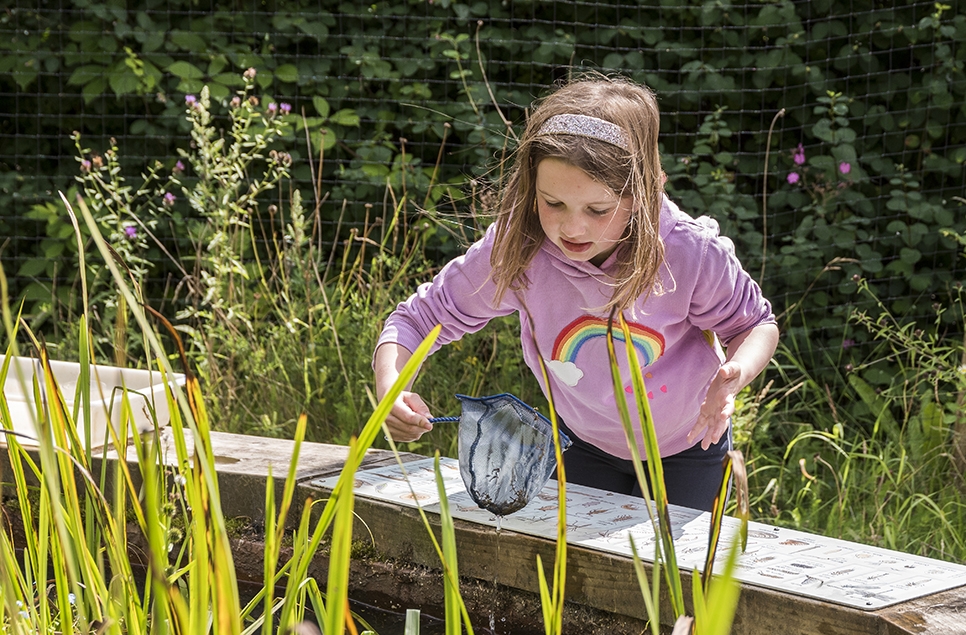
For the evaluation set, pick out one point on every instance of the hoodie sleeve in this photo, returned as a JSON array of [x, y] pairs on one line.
[[725, 299], [460, 298]]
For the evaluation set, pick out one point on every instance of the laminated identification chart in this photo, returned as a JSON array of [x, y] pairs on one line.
[[786, 560]]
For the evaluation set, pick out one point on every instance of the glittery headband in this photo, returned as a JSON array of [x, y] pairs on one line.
[[586, 126]]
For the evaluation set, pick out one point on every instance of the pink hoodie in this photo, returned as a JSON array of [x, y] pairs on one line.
[[708, 297]]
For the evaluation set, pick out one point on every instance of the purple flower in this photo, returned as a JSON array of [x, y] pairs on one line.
[[190, 100], [845, 167], [848, 343], [272, 107], [178, 167], [792, 178], [285, 108], [799, 155], [131, 232], [169, 199], [85, 166]]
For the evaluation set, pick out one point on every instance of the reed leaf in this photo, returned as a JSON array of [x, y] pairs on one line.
[[717, 515], [453, 602], [454, 606], [719, 603], [655, 468], [650, 591], [715, 598], [337, 587], [214, 585], [299, 566], [552, 600]]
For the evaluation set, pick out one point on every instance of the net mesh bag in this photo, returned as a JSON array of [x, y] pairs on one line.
[[506, 451]]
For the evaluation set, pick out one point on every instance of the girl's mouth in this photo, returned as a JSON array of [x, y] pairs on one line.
[[575, 248]]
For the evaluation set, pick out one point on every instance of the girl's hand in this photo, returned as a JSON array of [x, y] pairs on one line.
[[748, 354], [409, 418], [718, 406]]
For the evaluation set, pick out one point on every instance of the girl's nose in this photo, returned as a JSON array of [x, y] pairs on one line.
[[571, 225]]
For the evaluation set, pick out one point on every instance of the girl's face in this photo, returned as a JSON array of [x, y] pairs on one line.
[[582, 216]]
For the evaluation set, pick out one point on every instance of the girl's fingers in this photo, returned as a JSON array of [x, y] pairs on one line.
[[409, 418], [714, 434]]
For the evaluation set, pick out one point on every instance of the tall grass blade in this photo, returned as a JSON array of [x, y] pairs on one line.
[[716, 598], [553, 612], [337, 587], [721, 600], [654, 466], [453, 602], [299, 567], [650, 591], [412, 622], [455, 608], [717, 515]]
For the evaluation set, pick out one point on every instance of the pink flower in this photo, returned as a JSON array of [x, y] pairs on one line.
[[131, 232], [285, 108], [169, 199], [272, 107], [190, 100], [178, 167], [799, 155], [792, 178], [845, 167]]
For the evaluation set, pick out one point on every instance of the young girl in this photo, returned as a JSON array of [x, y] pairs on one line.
[[583, 227]]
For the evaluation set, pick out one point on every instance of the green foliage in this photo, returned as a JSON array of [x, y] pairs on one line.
[[78, 573], [269, 312], [418, 97], [398, 113], [886, 465]]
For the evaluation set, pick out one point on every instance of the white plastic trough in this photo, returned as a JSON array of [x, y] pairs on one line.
[[145, 392]]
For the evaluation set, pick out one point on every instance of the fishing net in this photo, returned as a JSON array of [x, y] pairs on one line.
[[506, 451]]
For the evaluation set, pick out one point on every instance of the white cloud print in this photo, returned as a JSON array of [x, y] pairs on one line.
[[567, 372]]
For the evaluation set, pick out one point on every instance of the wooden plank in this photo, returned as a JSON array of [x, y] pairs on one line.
[[599, 580], [244, 463], [939, 614]]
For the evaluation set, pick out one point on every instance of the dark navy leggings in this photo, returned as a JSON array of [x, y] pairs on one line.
[[692, 477]]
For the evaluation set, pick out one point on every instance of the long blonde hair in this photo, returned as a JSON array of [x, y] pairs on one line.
[[635, 172]]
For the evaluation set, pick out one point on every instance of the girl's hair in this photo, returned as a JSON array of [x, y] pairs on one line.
[[635, 172]]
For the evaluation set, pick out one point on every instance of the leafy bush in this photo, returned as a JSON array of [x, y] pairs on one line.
[[829, 145], [887, 464], [396, 94]]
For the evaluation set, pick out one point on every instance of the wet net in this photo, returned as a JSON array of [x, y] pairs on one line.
[[506, 451]]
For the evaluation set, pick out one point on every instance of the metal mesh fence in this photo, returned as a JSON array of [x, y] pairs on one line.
[[863, 171]]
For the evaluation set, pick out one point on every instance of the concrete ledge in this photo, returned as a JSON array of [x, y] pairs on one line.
[[245, 462]]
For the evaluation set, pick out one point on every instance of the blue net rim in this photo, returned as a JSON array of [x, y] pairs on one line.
[[565, 441]]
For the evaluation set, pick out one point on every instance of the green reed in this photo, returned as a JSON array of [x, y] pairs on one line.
[[75, 572], [714, 600]]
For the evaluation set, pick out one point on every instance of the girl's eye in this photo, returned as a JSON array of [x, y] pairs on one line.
[[598, 212], [554, 204]]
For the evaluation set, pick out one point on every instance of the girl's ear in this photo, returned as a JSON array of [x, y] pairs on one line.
[[663, 178]]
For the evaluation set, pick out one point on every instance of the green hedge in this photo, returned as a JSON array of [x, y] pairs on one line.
[[873, 96]]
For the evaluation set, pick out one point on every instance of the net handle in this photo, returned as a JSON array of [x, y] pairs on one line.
[[444, 419]]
